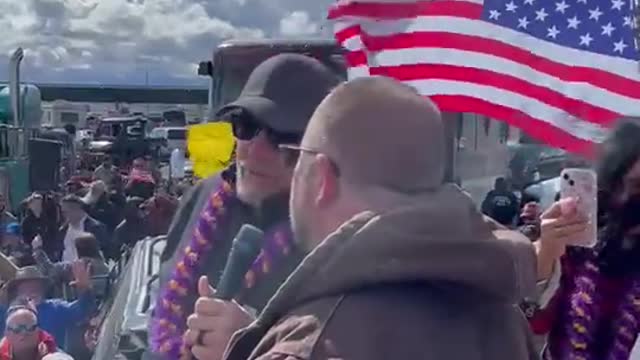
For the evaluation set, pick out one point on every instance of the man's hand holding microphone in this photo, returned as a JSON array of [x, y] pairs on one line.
[[216, 316], [213, 323]]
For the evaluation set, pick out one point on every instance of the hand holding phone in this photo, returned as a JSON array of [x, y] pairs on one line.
[[581, 185]]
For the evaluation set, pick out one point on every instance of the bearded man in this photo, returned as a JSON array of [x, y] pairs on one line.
[[273, 109]]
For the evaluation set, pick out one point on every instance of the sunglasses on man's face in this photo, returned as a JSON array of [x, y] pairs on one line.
[[246, 128], [22, 329]]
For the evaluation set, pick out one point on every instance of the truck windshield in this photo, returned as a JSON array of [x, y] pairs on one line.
[[232, 83]]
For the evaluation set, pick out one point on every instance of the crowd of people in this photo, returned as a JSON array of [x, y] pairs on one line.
[[59, 249]]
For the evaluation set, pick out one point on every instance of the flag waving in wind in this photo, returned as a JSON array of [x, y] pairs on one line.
[[561, 70]]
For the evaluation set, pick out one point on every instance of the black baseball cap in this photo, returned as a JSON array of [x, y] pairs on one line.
[[283, 92]]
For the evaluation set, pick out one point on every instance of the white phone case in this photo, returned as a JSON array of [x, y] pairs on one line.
[[582, 184]]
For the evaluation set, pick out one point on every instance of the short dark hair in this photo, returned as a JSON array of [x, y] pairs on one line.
[[87, 246], [500, 182]]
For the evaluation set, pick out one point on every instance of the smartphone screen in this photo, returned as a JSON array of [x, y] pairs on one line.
[[582, 185]]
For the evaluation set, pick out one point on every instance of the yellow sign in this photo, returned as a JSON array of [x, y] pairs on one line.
[[210, 147]]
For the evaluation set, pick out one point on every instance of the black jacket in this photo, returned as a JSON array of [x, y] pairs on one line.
[[212, 265]]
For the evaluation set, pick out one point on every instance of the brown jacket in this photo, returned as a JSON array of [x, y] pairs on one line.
[[431, 280]]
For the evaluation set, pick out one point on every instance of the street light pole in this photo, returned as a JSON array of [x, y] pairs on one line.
[[14, 85]]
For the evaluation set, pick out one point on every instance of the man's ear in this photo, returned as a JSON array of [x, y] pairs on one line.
[[328, 181]]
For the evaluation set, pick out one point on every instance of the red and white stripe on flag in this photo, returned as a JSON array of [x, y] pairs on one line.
[[563, 96]]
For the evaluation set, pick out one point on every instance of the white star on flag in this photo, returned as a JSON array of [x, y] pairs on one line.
[[541, 14], [553, 32], [561, 6], [619, 46], [617, 4], [586, 39], [607, 29], [573, 23], [595, 14]]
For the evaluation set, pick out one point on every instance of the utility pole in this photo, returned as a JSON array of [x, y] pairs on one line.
[[14, 85]]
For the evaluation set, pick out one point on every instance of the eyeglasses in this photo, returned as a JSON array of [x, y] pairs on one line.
[[297, 149], [246, 127], [22, 329]]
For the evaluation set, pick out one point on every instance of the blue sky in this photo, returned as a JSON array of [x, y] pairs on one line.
[[119, 41]]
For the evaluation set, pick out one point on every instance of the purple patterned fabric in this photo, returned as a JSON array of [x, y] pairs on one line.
[[584, 318], [169, 322]]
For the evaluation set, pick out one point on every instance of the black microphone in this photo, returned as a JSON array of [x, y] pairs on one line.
[[244, 250]]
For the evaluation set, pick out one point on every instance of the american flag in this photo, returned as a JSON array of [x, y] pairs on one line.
[[561, 70]]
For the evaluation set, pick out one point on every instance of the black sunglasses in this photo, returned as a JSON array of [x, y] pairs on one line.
[[22, 329], [246, 127]]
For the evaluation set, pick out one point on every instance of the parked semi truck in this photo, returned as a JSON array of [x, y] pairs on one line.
[[18, 114], [27, 161]]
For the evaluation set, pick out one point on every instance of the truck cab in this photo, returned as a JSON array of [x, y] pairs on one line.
[[122, 137], [233, 61]]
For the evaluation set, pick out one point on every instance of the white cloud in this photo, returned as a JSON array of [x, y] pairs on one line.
[[298, 23], [120, 40]]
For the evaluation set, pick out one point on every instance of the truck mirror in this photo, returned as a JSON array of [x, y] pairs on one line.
[[205, 68]]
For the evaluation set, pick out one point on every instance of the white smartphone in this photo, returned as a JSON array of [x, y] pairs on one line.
[[582, 184]]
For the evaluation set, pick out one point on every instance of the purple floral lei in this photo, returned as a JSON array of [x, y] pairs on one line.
[[169, 321], [584, 318]]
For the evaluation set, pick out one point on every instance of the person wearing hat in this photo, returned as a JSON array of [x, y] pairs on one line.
[[132, 228], [55, 316], [75, 185], [400, 264], [273, 109]]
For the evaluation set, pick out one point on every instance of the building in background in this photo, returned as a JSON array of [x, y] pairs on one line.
[[60, 112]]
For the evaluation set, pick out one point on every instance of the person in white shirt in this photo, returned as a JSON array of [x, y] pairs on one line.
[[106, 172], [78, 223]]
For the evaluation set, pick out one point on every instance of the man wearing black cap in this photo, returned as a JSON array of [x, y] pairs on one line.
[[273, 109]]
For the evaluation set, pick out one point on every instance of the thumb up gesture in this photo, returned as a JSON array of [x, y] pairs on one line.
[[204, 289], [213, 323]]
